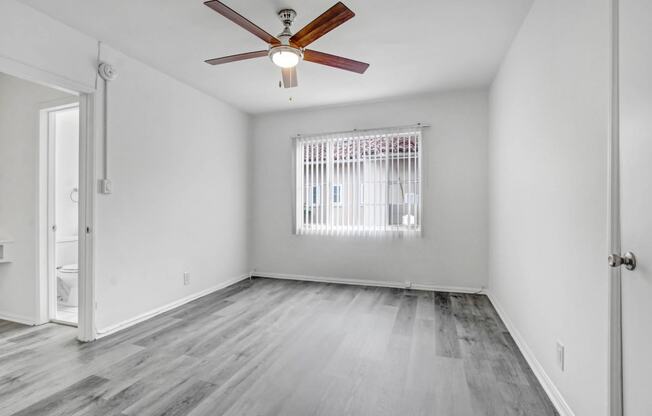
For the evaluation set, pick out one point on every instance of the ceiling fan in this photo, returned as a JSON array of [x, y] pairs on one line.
[[286, 50]]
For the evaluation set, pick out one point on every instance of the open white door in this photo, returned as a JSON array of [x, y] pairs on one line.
[[635, 32]]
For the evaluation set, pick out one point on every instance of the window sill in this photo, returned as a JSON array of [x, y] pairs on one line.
[[343, 230]]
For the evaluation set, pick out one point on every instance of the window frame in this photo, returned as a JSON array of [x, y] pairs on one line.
[[322, 157]]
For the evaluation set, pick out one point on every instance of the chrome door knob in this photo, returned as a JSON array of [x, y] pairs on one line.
[[628, 260]]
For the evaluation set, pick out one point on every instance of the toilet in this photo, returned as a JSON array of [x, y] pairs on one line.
[[67, 284]]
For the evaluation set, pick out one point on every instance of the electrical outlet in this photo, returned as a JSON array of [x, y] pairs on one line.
[[186, 278], [561, 356]]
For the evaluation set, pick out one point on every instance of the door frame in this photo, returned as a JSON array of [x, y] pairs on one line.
[[47, 205], [87, 96], [615, 290]]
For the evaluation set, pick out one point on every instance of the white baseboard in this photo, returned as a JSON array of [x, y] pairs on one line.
[[364, 282], [25, 320], [101, 333], [546, 382]]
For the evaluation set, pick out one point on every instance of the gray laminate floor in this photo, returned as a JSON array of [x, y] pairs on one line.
[[272, 347]]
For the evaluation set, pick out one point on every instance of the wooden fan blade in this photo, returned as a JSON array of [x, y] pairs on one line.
[[289, 77], [241, 21], [328, 21], [238, 57], [334, 61]]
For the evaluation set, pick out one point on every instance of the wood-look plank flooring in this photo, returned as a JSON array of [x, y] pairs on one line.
[[274, 347]]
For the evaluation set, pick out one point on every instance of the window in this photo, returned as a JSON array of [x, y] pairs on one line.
[[313, 195], [374, 178], [337, 195]]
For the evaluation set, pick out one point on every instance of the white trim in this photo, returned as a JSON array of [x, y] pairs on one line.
[[46, 293], [614, 275], [375, 283], [41, 293], [46, 299], [45, 296], [101, 333], [41, 76], [50, 209], [60, 322], [86, 226], [59, 104], [551, 390], [21, 319]]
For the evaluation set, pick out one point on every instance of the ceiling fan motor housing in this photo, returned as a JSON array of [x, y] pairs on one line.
[[287, 16]]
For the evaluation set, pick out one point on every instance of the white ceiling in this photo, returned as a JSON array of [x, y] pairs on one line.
[[413, 46]]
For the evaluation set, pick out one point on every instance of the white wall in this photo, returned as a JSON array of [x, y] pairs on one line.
[[173, 153], [548, 193], [453, 249], [66, 126], [19, 163], [178, 164]]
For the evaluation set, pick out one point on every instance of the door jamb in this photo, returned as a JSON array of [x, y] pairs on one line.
[[86, 318], [614, 243], [46, 178]]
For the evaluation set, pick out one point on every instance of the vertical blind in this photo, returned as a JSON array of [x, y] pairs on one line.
[[361, 183]]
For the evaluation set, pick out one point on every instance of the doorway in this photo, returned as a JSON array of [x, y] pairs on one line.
[[37, 308], [61, 130]]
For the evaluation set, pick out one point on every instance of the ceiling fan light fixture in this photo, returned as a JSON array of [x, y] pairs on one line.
[[285, 56]]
